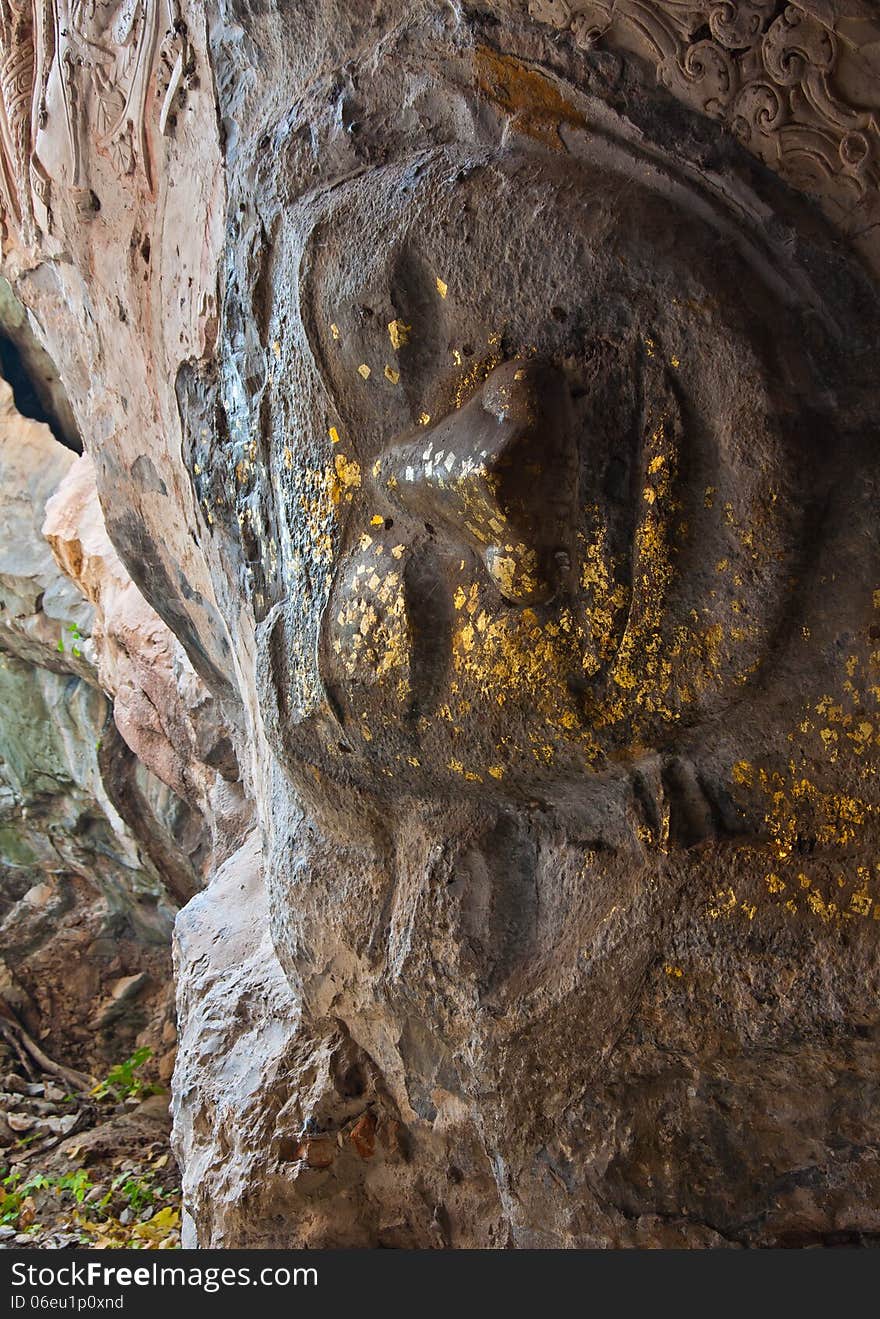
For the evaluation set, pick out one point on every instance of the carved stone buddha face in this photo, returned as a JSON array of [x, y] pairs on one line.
[[547, 420], [566, 496]]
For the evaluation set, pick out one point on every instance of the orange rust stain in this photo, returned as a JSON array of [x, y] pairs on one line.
[[533, 103], [363, 1136]]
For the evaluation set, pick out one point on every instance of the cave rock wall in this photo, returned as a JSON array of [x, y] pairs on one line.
[[481, 401]]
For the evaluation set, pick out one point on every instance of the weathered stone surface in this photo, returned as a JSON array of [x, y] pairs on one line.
[[501, 454], [163, 712], [83, 903], [38, 602], [226, 967]]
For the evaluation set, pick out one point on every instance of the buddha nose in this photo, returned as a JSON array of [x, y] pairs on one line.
[[499, 475]]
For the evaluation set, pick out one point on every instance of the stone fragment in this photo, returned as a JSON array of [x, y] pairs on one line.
[[20, 1123]]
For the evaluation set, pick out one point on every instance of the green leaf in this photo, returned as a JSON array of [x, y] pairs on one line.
[[121, 1082]]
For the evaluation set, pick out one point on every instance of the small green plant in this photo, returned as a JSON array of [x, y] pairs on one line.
[[96, 1220], [121, 1082], [37, 1183], [140, 1190], [77, 636], [12, 1196], [15, 1194], [23, 1141], [77, 1184], [15, 1197]]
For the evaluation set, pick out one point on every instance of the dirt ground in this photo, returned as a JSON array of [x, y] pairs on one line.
[[84, 1167]]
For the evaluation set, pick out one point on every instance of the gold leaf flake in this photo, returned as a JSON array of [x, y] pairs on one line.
[[348, 472], [398, 334]]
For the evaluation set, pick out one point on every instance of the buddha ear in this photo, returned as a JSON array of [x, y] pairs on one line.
[[372, 335]]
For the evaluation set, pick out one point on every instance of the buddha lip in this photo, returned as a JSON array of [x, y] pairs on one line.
[[499, 478]]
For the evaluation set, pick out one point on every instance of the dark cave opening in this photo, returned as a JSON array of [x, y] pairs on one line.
[[32, 392]]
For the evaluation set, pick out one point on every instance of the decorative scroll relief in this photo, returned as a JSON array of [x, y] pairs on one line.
[[74, 72], [799, 84]]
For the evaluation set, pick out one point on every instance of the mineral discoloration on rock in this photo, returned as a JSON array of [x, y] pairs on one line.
[[503, 465]]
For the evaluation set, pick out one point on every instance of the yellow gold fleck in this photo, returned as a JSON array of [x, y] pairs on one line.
[[398, 333]]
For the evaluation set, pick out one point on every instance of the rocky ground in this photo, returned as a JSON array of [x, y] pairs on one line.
[[84, 1166]]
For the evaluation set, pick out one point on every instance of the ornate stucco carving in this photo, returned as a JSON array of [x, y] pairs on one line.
[[72, 71], [798, 84]]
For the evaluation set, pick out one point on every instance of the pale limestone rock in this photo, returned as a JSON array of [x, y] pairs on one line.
[[161, 708], [239, 1025], [71, 869], [39, 604]]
